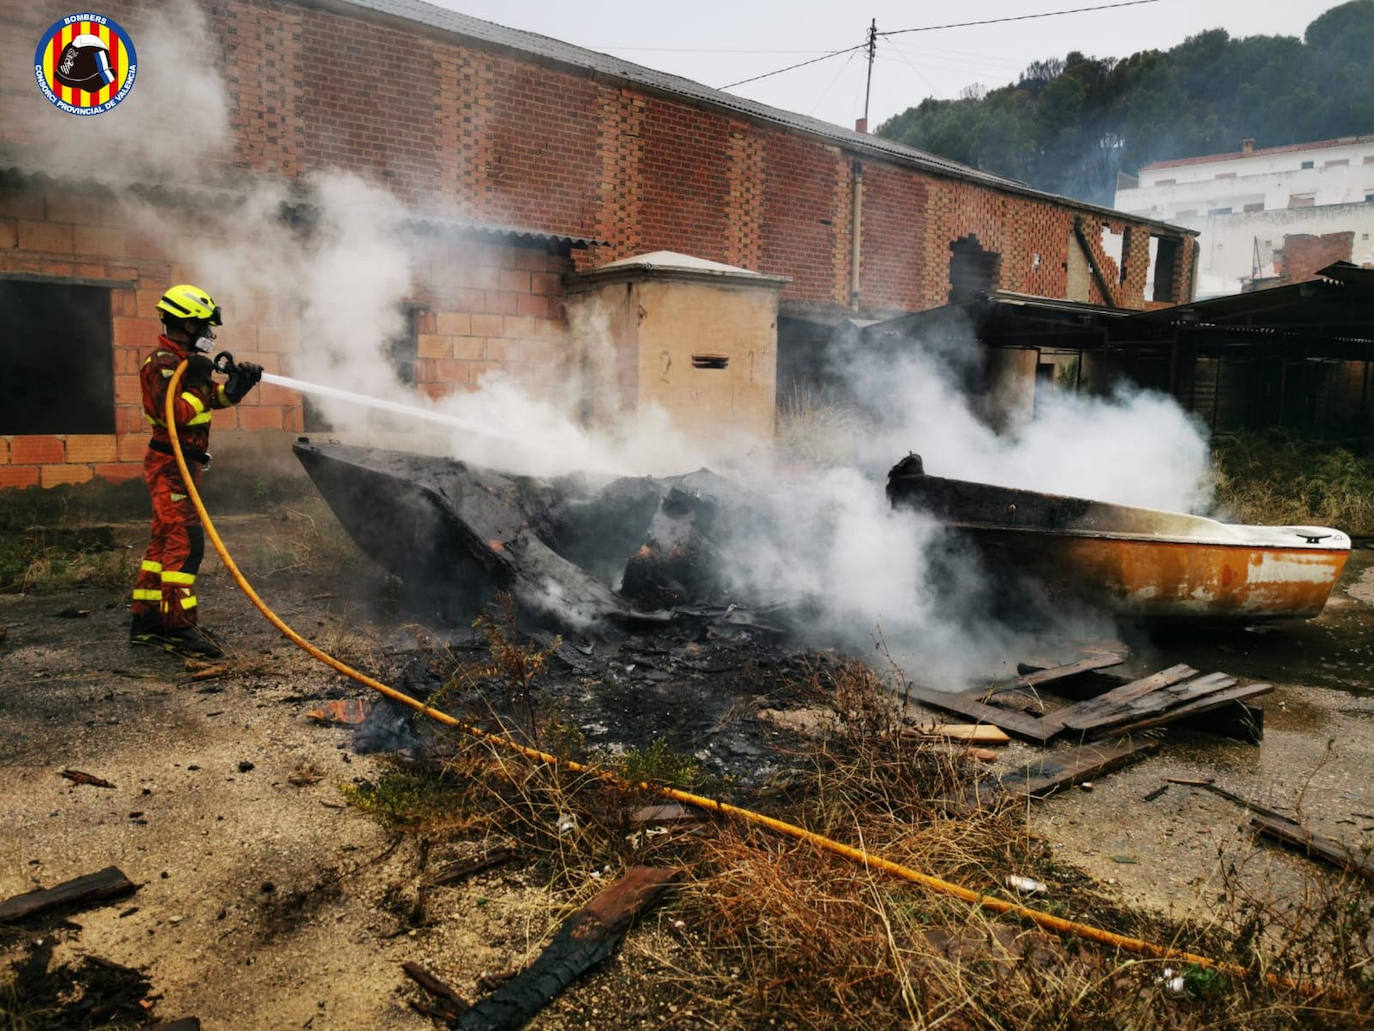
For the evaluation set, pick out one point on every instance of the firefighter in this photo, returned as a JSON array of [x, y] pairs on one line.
[[165, 612]]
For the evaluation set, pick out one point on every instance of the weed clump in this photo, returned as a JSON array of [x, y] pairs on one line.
[[1273, 477]]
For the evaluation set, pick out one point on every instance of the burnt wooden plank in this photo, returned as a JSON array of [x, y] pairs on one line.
[[455, 1003], [1314, 845], [1167, 698], [1047, 676], [463, 870], [1195, 707], [1064, 769], [1073, 716], [1018, 724], [1236, 720], [1049, 773], [586, 938], [104, 884]]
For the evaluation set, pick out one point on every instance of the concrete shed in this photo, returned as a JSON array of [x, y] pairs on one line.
[[697, 338]]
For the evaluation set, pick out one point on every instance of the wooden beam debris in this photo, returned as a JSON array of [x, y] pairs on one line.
[[967, 733], [82, 777], [461, 871], [1041, 677], [1054, 771], [1049, 773], [586, 938], [1197, 706], [452, 1005], [1017, 724], [1300, 838], [1083, 714], [108, 883]]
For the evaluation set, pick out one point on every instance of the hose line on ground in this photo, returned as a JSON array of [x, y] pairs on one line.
[[1042, 919]]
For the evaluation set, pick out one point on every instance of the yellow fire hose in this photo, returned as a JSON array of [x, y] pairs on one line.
[[1046, 920]]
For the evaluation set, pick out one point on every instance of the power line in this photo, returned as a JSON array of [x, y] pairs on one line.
[[1019, 17], [901, 54], [799, 64], [873, 34], [843, 68]]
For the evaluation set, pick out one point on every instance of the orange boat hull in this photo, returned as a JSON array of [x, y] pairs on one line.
[[1138, 562], [1172, 579]]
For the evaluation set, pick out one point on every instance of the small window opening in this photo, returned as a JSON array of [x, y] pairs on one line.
[[32, 398], [710, 361], [1167, 259]]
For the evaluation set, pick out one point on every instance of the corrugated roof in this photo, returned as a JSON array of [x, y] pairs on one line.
[[605, 64], [462, 227], [304, 211], [1338, 306]]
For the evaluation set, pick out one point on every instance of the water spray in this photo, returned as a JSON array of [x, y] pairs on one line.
[[224, 363]]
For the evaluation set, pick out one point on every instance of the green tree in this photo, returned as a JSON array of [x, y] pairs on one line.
[[1069, 124]]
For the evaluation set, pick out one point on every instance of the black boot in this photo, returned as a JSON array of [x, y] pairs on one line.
[[146, 628], [191, 641]]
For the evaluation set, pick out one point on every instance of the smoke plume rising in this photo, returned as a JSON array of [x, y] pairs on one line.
[[336, 289]]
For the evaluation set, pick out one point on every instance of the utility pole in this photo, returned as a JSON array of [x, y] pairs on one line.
[[872, 50]]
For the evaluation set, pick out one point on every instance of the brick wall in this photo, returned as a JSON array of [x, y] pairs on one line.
[[1303, 254], [457, 128], [499, 309], [63, 233]]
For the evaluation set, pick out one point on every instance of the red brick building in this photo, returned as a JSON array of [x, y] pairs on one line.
[[527, 156]]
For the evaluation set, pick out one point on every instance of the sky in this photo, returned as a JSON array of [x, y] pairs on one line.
[[718, 42]]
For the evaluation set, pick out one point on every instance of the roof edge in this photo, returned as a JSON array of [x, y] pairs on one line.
[[643, 271], [740, 107]]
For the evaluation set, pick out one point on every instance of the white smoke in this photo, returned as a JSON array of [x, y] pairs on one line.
[[171, 128], [1133, 447], [324, 298]]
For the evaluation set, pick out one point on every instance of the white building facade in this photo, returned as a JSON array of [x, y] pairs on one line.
[[1246, 204]]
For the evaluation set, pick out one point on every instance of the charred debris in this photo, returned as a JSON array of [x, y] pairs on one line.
[[635, 577]]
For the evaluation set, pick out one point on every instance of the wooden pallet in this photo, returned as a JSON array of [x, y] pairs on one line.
[[1167, 696]]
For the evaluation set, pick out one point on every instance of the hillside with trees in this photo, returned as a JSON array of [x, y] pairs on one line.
[[1069, 124]]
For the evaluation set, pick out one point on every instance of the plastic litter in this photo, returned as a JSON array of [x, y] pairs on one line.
[[1172, 982]]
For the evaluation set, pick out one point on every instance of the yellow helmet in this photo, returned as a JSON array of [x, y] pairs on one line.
[[185, 301]]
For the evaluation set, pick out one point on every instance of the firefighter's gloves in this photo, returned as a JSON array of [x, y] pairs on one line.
[[198, 369], [243, 378]]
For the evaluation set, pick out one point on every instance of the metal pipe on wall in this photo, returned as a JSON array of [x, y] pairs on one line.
[[856, 234]]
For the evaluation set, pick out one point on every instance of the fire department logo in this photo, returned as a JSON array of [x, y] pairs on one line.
[[85, 64]]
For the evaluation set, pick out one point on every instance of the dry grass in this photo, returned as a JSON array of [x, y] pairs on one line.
[[813, 431], [305, 538], [1275, 478], [772, 932]]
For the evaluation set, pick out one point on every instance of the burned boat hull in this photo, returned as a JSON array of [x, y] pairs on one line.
[[1137, 562], [457, 534], [575, 555]]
